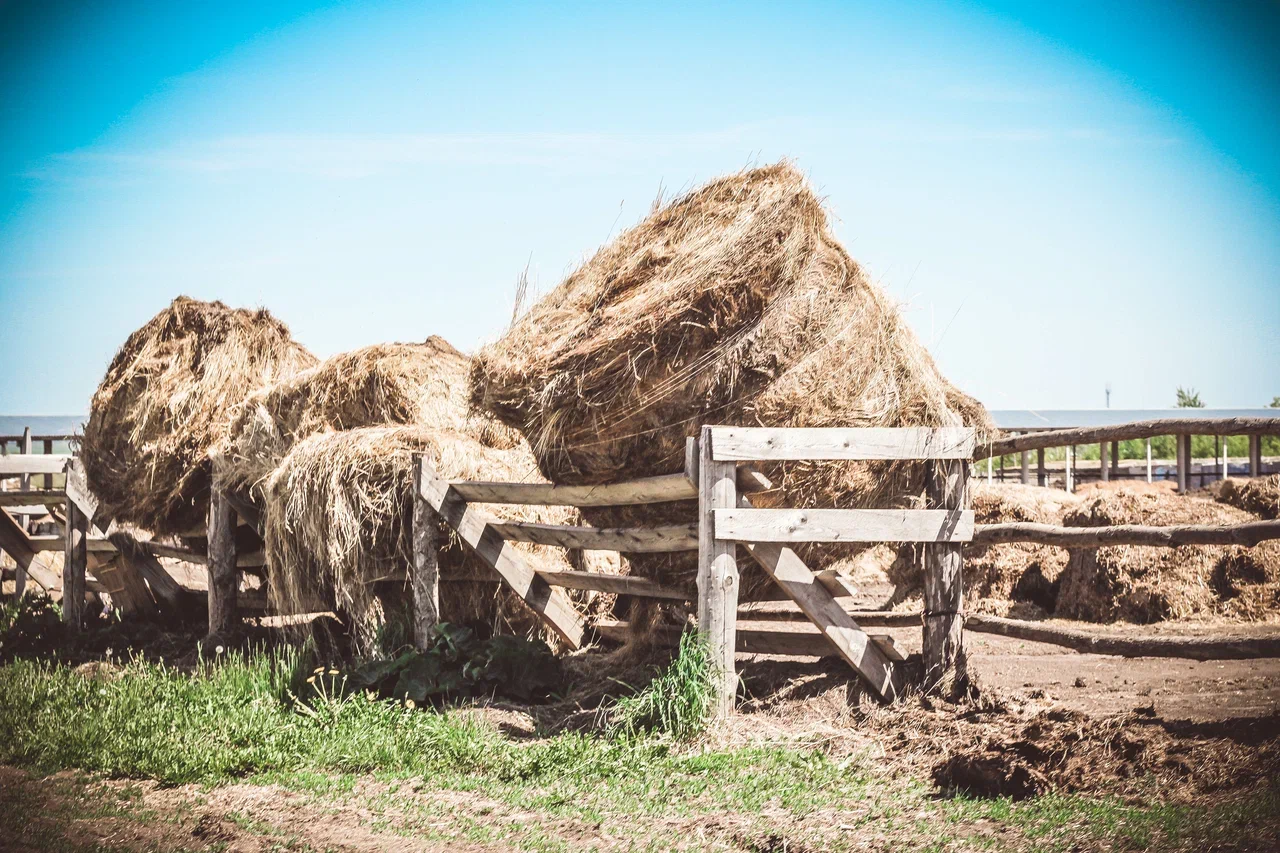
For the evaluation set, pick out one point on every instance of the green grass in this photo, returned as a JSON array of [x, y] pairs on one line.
[[678, 702], [235, 721]]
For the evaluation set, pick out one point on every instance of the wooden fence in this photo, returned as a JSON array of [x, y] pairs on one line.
[[718, 476], [1109, 437]]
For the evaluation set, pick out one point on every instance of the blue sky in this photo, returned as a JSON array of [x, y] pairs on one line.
[[1061, 195]]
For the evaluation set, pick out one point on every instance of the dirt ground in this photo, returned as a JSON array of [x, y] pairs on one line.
[[1044, 721]]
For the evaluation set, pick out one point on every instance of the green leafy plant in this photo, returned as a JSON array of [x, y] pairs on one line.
[[677, 703], [30, 627]]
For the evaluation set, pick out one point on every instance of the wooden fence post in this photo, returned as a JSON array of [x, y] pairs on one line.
[[717, 571], [1104, 471], [1255, 456], [946, 487], [48, 451], [224, 577], [426, 569], [1042, 477], [1183, 444], [74, 564], [24, 521]]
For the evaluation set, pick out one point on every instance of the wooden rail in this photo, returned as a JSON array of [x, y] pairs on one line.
[[1248, 534], [19, 464], [798, 444], [634, 540], [1126, 432], [844, 525], [756, 639]]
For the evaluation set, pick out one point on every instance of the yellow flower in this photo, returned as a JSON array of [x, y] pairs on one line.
[[333, 672], [311, 680], [409, 703], [317, 670]]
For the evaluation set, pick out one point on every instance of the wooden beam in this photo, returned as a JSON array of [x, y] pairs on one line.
[[1191, 648], [126, 586], [32, 497], [945, 667], [670, 487], [34, 463], [633, 540], [618, 584], [1247, 534], [765, 443], [43, 543], [15, 542], [844, 525], [75, 561], [1042, 477], [48, 449], [800, 641], [841, 632], [717, 571], [172, 595], [425, 573], [1127, 431], [1104, 471], [835, 583], [1183, 444], [1255, 456], [224, 576], [473, 527]]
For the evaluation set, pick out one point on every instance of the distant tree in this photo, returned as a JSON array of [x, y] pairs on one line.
[[1275, 403], [1189, 398]]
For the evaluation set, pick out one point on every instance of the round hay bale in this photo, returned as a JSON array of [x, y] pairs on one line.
[[338, 522], [733, 304], [165, 403], [1149, 584], [423, 384]]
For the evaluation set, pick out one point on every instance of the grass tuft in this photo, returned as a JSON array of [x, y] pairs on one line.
[[677, 703]]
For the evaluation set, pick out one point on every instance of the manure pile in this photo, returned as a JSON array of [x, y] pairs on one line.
[[1148, 584], [165, 403], [1260, 495], [733, 304]]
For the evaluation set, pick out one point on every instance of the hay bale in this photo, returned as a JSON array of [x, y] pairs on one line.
[[1260, 495], [1148, 584], [734, 304], [338, 519], [423, 384], [165, 403]]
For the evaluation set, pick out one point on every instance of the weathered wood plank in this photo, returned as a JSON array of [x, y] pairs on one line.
[[945, 665], [32, 497], [766, 443], [473, 526], [619, 584], [841, 632], [635, 540], [425, 574], [803, 640], [75, 562], [224, 576], [43, 543], [717, 571], [837, 584], [670, 487], [33, 463], [1247, 534], [844, 525], [77, 488], [1191, 648]]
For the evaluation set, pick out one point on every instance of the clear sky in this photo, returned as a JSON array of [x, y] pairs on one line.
[[1061, 194]]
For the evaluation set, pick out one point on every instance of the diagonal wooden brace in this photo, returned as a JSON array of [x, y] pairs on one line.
[[474, 528], [849, 641]]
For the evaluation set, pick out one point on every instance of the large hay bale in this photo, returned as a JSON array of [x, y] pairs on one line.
[[382, 385], [338, 511], [734, 304], [165, 402], [1260, 495], [1149, 584]]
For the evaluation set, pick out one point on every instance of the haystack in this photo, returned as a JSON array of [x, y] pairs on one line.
[[383, 385], [734, 304], [165, 402], [1260, 495], [1148, 584], [338, 521]]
